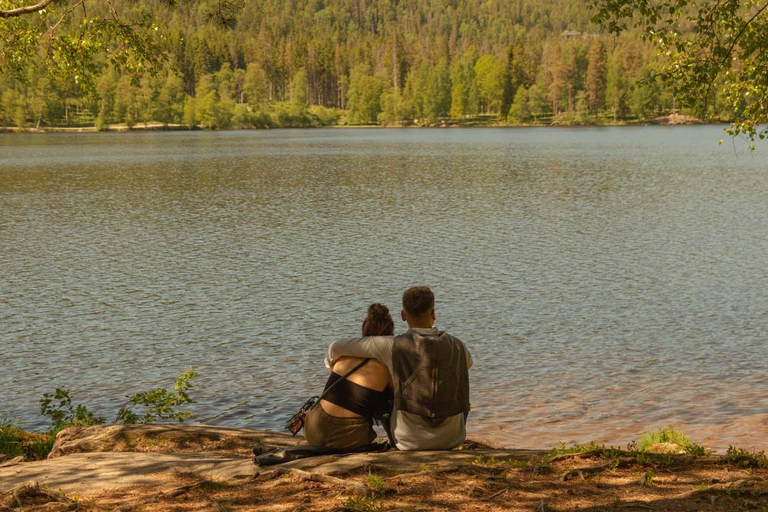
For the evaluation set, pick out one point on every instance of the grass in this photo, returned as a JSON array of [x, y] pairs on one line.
[[746, 459], [363, 504], [577, 448], [668, 435], [10, 444]]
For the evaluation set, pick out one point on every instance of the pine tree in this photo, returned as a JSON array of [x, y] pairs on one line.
[[596, 77]]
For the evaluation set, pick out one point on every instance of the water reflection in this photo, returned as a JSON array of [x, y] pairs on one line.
[[607, 281]]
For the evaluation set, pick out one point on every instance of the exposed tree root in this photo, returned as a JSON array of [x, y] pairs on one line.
[[32, 491], [599, 468], [438, 471], [357, 488], [179, 490], [579, 455]]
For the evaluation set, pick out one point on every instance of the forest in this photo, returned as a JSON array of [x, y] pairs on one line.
[[301, 63]]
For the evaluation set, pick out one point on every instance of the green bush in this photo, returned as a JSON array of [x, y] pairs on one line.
[[159, 403], [325, 116], [59, 408]]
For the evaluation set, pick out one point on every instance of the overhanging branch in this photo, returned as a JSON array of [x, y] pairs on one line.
[[21, 11]]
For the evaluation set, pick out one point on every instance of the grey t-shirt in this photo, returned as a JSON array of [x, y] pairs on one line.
[[411, 431]]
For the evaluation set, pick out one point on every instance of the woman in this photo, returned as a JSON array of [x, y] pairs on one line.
[[343, 420]]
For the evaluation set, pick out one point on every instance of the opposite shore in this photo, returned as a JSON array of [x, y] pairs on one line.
[[668, 120]]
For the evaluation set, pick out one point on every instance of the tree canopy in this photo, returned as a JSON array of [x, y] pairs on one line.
[[711, 51], [221, 64]]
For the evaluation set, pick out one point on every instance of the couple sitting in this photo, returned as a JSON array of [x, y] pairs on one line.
[[416, 383]]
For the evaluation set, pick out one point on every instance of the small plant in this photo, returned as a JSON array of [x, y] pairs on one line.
[[746, 459], [159, 403], [646, 479], [59, 408], [375, 483], [363, 504]]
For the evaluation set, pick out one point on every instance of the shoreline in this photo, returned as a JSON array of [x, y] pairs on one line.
[[197, 467], [671, 120]]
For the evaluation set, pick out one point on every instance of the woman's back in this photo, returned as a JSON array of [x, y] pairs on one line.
[[372, 375], [344, 418]]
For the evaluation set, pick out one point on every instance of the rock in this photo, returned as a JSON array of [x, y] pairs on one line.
[[87, 473], [178, 438], [666, 448]]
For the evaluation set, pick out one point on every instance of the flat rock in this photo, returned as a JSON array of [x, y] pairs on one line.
[[397, 462], [666, 448], [89, 460], [86, 473], [179, 438]]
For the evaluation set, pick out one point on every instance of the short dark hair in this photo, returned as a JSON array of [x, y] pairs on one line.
[[378, 322], [418, 300]]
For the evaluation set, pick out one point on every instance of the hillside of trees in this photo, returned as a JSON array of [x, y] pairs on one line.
[[324, 62]]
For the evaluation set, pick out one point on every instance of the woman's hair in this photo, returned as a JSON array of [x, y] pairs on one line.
[[378, 322]]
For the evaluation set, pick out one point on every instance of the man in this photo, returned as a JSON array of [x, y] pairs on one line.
[[429, 372]]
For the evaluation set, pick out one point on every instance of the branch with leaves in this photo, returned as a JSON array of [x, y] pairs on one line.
[[29, 9], [705, 47], [60, 36]]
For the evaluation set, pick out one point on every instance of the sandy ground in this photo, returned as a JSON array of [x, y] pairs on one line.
[[165, 470]]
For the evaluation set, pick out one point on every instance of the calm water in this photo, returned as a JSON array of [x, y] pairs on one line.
[[607, 281]]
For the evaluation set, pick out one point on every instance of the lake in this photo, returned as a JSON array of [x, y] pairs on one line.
[[606, 280]]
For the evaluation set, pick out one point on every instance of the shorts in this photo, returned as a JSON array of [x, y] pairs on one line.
[[322, 429]]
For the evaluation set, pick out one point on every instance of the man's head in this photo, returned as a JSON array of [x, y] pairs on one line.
[[418, 307]]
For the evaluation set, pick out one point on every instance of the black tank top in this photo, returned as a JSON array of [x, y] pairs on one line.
[[366, 402]]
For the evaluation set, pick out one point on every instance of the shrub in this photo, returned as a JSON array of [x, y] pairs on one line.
[[63, 414], [669, 435], [159, 403]]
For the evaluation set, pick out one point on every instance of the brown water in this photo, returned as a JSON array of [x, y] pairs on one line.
[[607, 281]]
